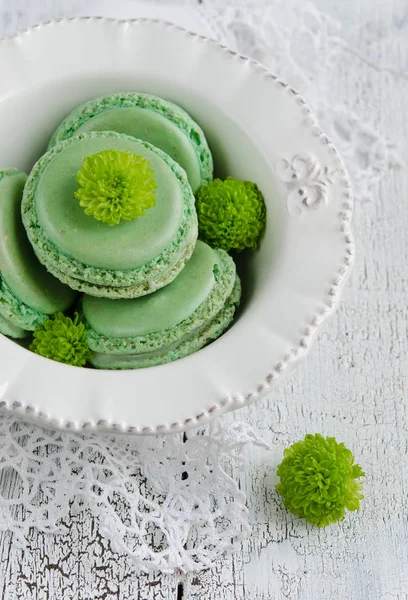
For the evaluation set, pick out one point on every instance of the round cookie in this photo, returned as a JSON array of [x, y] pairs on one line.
[[128, 260], [169, 324], [149, 118], [210, 332], [28, 293]]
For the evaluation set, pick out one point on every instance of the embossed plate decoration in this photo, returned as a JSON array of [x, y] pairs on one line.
[[260, 129]]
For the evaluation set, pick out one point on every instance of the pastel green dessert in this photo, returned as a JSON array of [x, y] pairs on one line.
[[169, 324], [128, 260], [146, 117], [28, 293], [8, 328]]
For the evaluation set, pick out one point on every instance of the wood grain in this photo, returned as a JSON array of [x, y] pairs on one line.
[[77, 566], [353, 386]]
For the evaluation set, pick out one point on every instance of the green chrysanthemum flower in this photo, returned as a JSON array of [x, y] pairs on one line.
[[63, 340], [318, 480], [116, 186], [231, 214]]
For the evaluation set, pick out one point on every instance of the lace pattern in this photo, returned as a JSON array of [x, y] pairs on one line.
[[304, 47], [167, 502]]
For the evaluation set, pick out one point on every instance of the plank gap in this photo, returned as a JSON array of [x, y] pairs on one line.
[[184, 474]]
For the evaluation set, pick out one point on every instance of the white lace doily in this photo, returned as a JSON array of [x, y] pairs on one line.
[[168, 502], [300, 44]]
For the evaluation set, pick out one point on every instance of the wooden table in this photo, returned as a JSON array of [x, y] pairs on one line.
[[353, 386]]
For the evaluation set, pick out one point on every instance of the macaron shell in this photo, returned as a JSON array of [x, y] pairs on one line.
[[158, 311], [150, 285], [128, 245], [149, 276], [16, 311], [152, 127], [210, 332], [8, 328], [224, 273], [172, 113], [19, 267]]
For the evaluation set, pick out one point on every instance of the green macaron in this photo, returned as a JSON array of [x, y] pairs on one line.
[[28, 293], [143, 116], [128, 260], [171, 323]]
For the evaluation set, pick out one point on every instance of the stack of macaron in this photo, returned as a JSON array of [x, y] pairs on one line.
[[105, 228], [128, 260], [180, 318], [29, 295]]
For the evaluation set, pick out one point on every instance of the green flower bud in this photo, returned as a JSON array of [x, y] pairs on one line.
[[116, 186], [231, 214], [318, 480], [62, 339]]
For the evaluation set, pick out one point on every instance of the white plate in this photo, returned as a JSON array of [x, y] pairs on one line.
[[259, 129]]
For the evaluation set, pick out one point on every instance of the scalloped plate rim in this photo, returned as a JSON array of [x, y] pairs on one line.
[[15, 406]]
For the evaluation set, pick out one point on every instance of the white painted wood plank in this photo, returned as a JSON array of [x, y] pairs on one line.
[[353, 385], [77, 566]]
